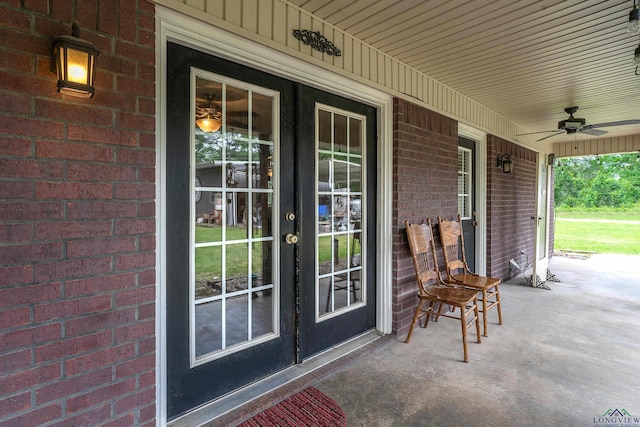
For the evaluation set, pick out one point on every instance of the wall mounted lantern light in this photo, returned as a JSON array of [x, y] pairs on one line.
[[634, 20], [505, 162], [75, 62]]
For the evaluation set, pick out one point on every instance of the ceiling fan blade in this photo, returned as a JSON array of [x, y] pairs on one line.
[[533, 133], [594, 132], [557, 133], [608, 124]]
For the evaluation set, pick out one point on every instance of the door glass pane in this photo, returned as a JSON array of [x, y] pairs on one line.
[[464, 183], [234, 285], [340, 211]]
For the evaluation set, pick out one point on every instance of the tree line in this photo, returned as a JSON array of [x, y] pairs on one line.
[[597, 181]]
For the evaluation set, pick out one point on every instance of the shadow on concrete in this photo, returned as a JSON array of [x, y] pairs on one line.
[[562, 358]]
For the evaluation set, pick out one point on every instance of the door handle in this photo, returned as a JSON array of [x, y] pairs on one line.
[[291, 239]]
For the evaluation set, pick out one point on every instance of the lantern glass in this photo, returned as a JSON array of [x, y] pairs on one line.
[[75, 59]]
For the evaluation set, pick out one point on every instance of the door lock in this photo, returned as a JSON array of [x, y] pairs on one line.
[[290, 216], [291, 239]]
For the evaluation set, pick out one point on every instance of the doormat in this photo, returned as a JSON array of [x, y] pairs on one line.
[[310, 407]]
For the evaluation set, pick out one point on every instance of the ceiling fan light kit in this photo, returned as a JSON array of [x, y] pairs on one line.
[[574, 125]]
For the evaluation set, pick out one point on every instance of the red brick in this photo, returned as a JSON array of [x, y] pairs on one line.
[[99, 359], [117, 65], [147, 379], [19, 126], [147, 174], [18, 360], [72, 308], [136, 366], [37, 417], [69, 386], [71, 230], [14, 147], [28, 42], [72, 269], [145, 243], [14, 18], [136, 296], [146, 106], [90, 418], [96, 285], [147, 277], [72, 190], [147, 140], [74, 151], [30, 336], [16, 275], [148, 414], [17, 104], [135, 191], [101, 134], [96, 210], [13, 297], [142, 398], [76, 113], [61, 11], [146, 311], [19, 168], [107, 17], [125, 420], [19, 402], [103, 394], [72, 347], [97, 322], [137, 86], [137, 157], [15, 189], [135, 261], [127, 27], [134, 332], [137, 122], [15, 254], [41, 6], [25, 379], [93, 172], [147, 209], [80, 248], [141, 53], [147, 72], [146, 38], [147, 346], [14, 318], [135, 226]]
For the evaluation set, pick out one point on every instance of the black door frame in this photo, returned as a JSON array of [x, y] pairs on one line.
[[469, 225]]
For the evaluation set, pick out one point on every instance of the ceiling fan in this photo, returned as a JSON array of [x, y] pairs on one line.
[[574, 125]]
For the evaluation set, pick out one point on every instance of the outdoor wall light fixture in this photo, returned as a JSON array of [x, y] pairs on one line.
[[634, 20], [505, 162], [75, 62]]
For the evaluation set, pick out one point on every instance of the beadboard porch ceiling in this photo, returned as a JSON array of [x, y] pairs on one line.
[[526, 60]]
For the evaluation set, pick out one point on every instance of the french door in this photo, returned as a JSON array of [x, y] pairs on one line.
[[270, 195], [541, 246], [467, 197]]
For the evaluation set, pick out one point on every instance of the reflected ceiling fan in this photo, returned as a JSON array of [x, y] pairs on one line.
[[575, 125]]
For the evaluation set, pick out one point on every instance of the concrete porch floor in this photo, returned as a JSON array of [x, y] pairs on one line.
[[562, 358]]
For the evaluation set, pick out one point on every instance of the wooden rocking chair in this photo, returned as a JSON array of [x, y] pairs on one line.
[[433, 291], [458, 272]]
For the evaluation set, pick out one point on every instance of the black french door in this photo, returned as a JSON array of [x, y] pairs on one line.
[[269, 224], [466, 197]]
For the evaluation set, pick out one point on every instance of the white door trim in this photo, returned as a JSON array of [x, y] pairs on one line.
[[480, 168], [172, 26]]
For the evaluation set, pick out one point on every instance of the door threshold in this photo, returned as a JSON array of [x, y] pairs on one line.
[[242, 404]]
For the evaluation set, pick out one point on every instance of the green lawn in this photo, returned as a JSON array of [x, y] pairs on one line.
[[598, 237]]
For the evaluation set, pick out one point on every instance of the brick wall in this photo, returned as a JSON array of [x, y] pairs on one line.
[[425, 179], [77, 219], [510, 205]]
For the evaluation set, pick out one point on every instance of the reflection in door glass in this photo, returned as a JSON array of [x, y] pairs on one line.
[[233, 283], [339, 210]]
